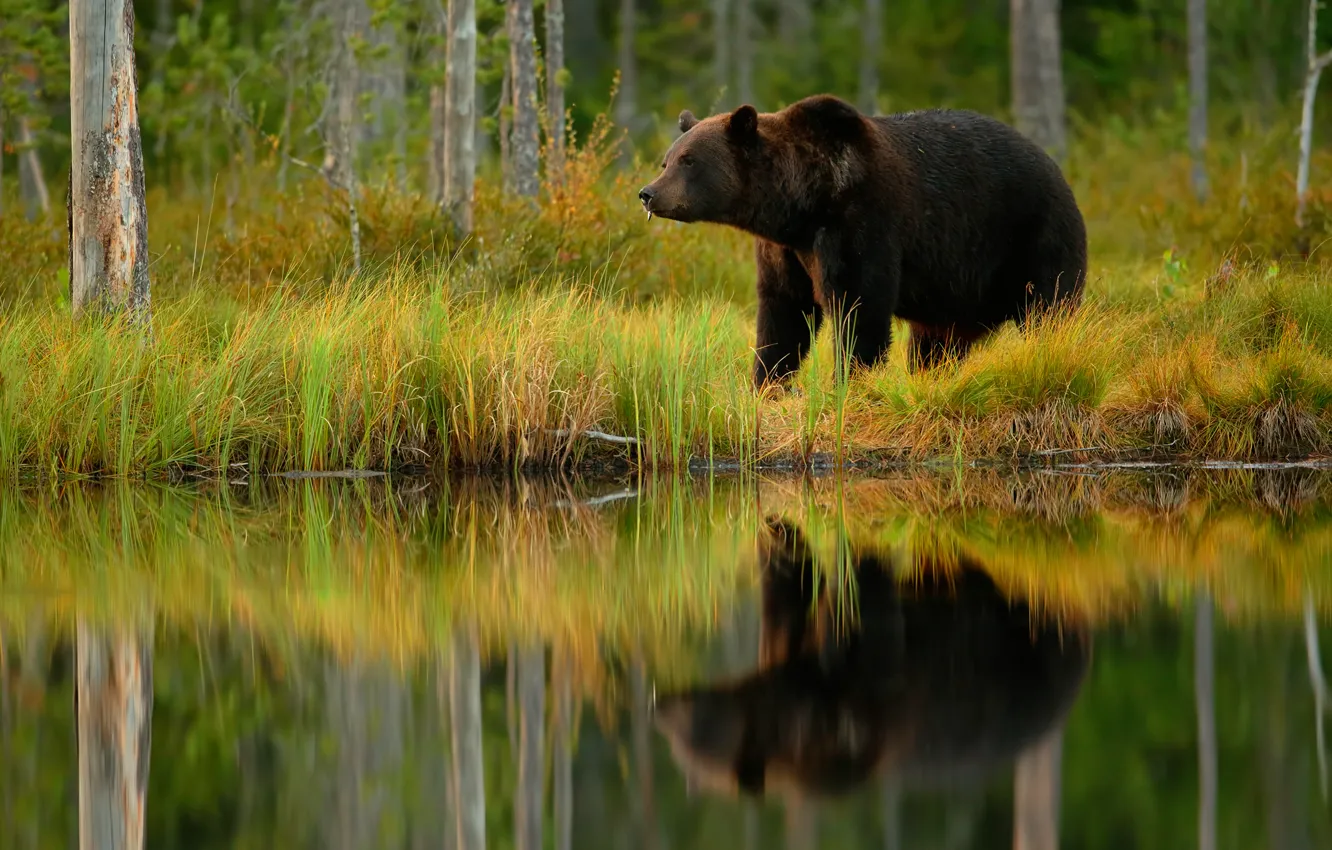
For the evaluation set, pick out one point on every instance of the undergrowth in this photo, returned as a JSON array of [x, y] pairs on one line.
[[1206, 332]]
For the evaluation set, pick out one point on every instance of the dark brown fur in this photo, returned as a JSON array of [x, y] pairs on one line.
[[947, 218]]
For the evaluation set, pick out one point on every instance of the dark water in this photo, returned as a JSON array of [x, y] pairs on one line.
[[946, 661]]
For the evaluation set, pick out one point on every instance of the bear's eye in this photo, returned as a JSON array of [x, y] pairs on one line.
[[686, 160]]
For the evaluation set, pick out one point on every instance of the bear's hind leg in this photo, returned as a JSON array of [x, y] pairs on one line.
[[933, 344]]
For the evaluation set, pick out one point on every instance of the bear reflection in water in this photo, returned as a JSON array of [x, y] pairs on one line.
[[938, 679]]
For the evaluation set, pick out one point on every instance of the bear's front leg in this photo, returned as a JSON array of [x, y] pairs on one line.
[[858, 285], [787, 314]]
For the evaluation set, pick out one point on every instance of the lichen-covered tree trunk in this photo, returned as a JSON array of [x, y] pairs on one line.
[[744, 50], [1037, 73], [721, 50], [871, 33], [1036, 794], [1197, 14], [108, 219], [530, 797], [469, 781], [524, 175], [460, 114], [555, 75], [114, 698]]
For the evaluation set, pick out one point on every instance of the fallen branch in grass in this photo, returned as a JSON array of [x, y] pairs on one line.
[[595, 435]]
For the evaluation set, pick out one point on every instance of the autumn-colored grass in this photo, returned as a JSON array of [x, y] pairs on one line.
[[573, 314]]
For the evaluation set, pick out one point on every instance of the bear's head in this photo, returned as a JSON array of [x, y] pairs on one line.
[[703, 173]]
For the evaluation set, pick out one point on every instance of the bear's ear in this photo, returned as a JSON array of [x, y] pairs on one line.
[[743, 125], [687, 121]]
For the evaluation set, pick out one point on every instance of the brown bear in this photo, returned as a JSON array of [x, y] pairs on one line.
[[949, 219], [938, 681]]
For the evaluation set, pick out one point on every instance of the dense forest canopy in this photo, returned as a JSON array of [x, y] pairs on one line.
[[227, 78]]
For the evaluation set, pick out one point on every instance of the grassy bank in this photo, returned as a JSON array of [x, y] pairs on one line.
[[403, 368], [575, 315]]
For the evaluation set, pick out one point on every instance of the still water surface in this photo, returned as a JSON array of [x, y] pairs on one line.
[[1116, 660]]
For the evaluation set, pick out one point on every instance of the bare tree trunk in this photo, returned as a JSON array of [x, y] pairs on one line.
[[435, 150], [562, 778], [626, 104], [794, 20], [526, 142], [528, 806], [1313, 71], [871, 33], [469, 780], [460, 114], [32, 184], [343, 142], [1205, 702], [108, 217], [555, 75], [721, 50], [744, 50], [1198, 95], [506, 126], [1037, 73], [114, 697], [1036, 794]]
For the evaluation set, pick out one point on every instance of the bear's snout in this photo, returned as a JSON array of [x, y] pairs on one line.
[[646, 194]]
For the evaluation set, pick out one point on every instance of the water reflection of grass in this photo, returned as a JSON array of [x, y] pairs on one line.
[[394, 567], [1097, 545]]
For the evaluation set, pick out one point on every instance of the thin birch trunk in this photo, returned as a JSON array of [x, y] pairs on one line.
[[526, 139], [506, 126], [871, 33], [1037, 73], [347, 136], [108, 217], [114, 699], [531, 688], [722, 15], [1036, 788], [32, 183], [1204, 696], [469, 782], [1315, 64], [555, 75], [802, 825], [460, 114], [626, 103], [1197, 14], [744, 51], [438, 96]]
